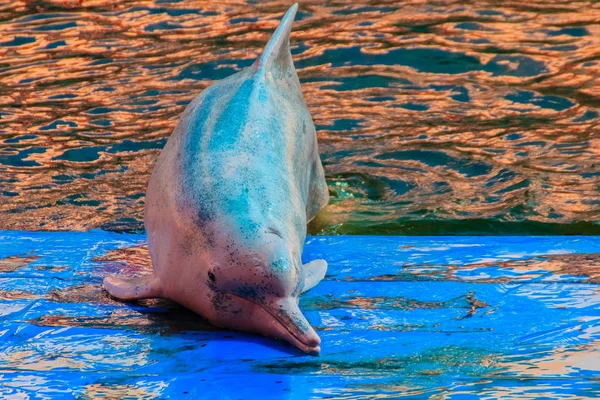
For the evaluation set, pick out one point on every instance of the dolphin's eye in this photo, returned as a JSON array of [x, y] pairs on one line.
[[211, 276]]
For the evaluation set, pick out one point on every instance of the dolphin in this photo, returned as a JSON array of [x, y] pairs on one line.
[[229, 199]]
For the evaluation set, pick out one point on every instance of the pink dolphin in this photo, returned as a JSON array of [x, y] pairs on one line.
[[229, 199]]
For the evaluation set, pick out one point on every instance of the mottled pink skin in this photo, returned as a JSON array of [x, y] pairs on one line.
[[184, 278], [229, 199]]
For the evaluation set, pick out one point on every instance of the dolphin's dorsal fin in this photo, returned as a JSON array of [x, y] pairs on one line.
[[277, 51]]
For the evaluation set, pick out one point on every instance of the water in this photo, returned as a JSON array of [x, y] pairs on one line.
[[432, 117], [411, 317]]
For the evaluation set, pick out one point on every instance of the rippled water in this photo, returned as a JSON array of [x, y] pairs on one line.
[[432, 117]]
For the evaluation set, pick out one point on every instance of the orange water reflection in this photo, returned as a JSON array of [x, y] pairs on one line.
[[451, 113]]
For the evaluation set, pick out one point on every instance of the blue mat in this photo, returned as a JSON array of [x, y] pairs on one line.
[[398, 316]]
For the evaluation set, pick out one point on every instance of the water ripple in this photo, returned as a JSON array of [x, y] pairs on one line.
[[432, 118]]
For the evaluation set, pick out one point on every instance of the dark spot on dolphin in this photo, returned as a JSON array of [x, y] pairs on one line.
[[254, 294], [222, 302], [211, 276]]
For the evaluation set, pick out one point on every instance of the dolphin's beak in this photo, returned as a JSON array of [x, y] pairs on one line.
[[293, 326], [280, 318]]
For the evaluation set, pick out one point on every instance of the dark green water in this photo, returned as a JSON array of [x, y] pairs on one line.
[[433, 118]]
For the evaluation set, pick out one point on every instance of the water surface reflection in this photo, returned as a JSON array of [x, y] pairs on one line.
[[432, 118]]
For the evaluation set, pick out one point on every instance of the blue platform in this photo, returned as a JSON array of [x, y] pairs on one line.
[[463, 317]]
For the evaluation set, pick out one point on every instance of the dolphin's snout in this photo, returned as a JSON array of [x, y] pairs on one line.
[[296, 328], [314, 341], [280, 318], [313, 347]]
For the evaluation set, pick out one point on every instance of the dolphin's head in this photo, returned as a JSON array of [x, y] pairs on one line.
[[256, 288]]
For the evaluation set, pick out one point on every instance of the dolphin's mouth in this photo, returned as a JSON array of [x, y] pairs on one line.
[[286, 329], [306, 344]]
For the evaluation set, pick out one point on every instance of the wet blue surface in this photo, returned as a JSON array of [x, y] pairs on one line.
[[398, 316], [433, 118]]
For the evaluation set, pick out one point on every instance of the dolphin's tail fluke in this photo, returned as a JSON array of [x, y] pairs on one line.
[[133, 288], [277, 51]]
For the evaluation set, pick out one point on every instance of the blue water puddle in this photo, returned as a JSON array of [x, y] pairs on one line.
[[398, 316]]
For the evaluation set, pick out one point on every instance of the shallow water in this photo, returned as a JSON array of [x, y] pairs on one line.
[[432, 117]]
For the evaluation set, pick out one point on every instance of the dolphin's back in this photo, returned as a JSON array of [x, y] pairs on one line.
[[246, 150]]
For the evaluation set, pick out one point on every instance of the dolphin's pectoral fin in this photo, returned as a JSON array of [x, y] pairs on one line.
[[133, 288], [314, 272]]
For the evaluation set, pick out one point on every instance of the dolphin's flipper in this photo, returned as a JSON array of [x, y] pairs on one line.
[[314, 272], [133, 288]]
